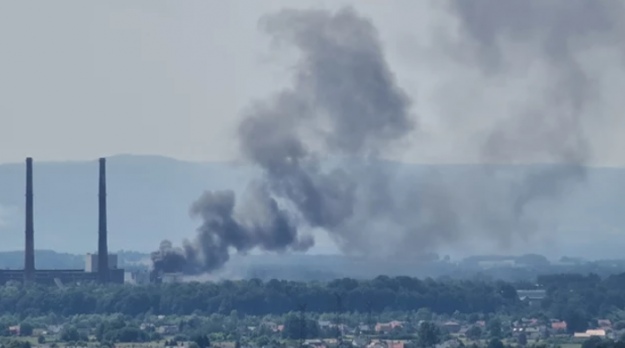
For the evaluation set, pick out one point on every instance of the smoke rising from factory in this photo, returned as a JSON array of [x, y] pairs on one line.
[[344, 101], [321, 142]]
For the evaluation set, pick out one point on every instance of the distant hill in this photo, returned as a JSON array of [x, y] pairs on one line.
[[149, 199], [328, 267]]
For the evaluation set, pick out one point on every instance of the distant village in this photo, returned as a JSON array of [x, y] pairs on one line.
[[391, 334]]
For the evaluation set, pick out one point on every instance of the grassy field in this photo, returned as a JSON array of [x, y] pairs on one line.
[[226, 344], [571, 345]]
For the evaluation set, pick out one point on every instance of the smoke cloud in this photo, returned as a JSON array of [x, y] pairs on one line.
[[554, 36], [344, 101], [321, 142], [258, 223], [537, 53]]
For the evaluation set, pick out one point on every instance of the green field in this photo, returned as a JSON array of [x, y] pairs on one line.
[[571, 345]]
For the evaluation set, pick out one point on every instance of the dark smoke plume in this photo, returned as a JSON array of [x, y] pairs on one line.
[[259, 223], [344, 101], [504, 38], [319, 142]]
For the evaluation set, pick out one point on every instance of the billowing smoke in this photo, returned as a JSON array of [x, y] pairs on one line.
[[258, 223], [505, 36], [344, 101], [320, 142], [543, 92]]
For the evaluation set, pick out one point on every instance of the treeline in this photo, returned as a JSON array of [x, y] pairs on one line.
[[254, 297], [586, 295]]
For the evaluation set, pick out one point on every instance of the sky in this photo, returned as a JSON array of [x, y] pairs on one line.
[[488, 80], [84, 79]]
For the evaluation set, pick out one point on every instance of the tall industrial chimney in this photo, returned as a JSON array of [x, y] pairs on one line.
[[29, 252], [103, 264]]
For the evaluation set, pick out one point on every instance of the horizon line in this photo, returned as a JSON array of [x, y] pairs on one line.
[[238, 162]]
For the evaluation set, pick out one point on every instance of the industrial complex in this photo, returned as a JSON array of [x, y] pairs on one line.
[[100, 267]]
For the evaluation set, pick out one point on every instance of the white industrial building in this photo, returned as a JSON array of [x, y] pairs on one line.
[[91, 262]]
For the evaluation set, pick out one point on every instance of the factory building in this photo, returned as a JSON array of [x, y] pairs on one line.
[[91, 262], [100, 267]]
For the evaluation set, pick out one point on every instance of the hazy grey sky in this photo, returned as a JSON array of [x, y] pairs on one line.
[[82, 79]]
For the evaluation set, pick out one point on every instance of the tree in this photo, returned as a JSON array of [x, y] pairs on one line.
[[576, 321], [428, 335], [294, 328], [474, 333], [473, 318], [202, 341], [593, 342], [70, 334], [495, 343], [17, 344], [522, 339], [424, 314], [494, 328], [262, 341], [41, 339], [26, 329]]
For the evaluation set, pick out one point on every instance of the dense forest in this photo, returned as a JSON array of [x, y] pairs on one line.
[[255, 297], [585, 295]]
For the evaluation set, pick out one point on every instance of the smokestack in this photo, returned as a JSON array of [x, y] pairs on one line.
[[29, 252], [103, 264]]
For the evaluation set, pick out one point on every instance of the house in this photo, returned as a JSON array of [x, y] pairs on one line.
[[590, 333], [14, 330], [377, 344], [533, 333], [451, 327], [55, 329], [324, 324], [454, 343], [532, 297], [604, 323], [39, 332], [147, 326], [530, 322], [315, 343], [271, 326], [167, 329], [386, 344], [388, 327], [395, 344], [360, 342], [364, 328], [559, 326]]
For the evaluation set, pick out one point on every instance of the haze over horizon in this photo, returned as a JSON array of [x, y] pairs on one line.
[[65, 203]]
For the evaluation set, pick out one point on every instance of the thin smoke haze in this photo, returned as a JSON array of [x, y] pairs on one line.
[[345, 103]]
